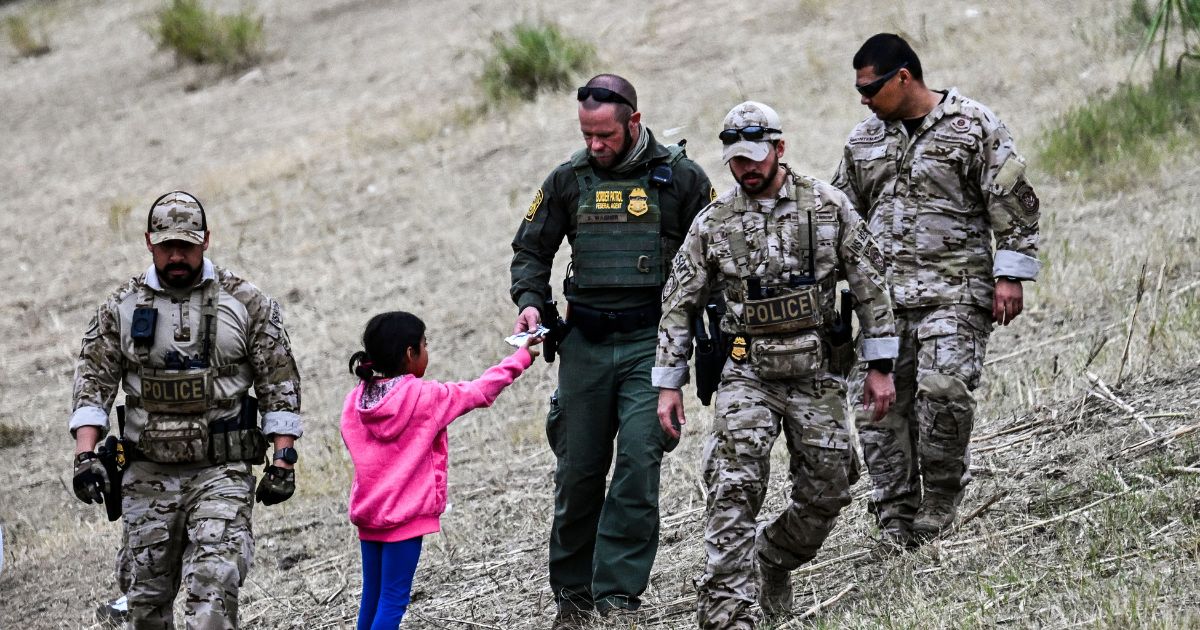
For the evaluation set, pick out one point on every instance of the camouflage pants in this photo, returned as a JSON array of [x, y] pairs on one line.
[[737, 461], [186, 526], [926, 434]]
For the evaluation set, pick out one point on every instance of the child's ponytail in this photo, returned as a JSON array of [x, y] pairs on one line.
[[362, 366]]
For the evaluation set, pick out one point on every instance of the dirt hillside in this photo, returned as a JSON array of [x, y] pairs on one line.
[[353, 172]]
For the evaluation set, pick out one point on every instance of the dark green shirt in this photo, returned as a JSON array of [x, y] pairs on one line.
[[552, 215]]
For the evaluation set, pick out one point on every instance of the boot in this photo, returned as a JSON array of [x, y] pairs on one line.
[[935, 516], [113, 614], [774, 591], [897, 534]]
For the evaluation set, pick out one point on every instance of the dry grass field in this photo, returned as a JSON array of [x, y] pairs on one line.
[[354, 171]]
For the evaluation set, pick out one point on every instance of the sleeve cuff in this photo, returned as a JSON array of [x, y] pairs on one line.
[[282, 423], [880, 348], [89, 417], [669, 377], [528, 299], [1016, 265]]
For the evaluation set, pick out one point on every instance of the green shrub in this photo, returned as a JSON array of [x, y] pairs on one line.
[[201, 36], [22, 38], [1169, 20], [533, 58], [1132, 123]]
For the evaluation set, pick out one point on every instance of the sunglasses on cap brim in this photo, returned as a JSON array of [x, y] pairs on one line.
[[602, 95], [753, 133], [871, 89]]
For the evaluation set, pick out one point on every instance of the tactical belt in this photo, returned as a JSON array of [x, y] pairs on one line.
[[597, 324], [135, 402]]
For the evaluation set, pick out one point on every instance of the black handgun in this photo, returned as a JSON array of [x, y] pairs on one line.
[[112, 456], [557, 327], [710, 350]]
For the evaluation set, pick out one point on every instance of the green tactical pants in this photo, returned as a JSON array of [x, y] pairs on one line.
[[602, 546]]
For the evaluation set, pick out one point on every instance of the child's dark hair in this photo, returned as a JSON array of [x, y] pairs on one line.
[[385, 345]]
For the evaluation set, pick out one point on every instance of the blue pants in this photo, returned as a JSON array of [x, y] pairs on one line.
[[388, 570]]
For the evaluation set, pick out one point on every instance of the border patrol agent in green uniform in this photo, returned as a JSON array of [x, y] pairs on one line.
[[624, 203]]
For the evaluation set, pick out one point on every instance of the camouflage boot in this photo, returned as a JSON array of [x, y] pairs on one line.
[[774, 591], [935, 516], [896, 536], [774, 585]]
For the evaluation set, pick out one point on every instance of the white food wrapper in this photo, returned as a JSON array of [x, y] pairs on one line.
[[518, 339]]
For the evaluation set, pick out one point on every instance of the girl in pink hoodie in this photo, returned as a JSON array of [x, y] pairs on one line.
[[394, 425]]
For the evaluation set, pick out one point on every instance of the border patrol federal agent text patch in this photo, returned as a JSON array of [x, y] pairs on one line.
[[534, 205]]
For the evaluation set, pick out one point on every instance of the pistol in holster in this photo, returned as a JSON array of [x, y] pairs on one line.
[[711, 350], [238, 439], [842, 355], [557, 326], [114, 457]]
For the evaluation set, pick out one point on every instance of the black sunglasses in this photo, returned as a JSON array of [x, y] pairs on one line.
[[871, 89], [753, 133], [602, 95]]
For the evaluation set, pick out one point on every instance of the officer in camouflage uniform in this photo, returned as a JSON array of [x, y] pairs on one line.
[[773, 248], [186, 341], [937, 177], [624, 203]]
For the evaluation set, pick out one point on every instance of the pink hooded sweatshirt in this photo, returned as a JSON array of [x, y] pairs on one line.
[[399, 448]]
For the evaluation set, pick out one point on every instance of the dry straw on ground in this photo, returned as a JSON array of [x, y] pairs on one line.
[[343, 178]]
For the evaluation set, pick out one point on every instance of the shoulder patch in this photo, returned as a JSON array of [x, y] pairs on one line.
[[534, 205], [1029, 199], [712, 194]]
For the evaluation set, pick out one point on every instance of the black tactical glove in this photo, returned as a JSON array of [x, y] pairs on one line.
[[90, 481], [277, 485]]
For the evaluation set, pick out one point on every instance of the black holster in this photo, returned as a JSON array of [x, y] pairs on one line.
[[557, 327], [711, 350], [842, 355]]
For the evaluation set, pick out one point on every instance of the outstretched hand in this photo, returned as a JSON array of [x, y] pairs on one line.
[[531, 345]]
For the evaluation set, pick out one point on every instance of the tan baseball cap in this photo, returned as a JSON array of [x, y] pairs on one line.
[[751, 114], [176, 216]]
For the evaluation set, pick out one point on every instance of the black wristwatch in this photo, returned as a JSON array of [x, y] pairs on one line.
[[287, 454]]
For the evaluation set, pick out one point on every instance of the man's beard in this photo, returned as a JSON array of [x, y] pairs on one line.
[[178, 282], [626, 147], [764, 181]]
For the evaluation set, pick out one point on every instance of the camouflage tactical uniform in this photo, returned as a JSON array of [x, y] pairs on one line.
[[934, 201], [602, 544], [187, 523], [752, 407]]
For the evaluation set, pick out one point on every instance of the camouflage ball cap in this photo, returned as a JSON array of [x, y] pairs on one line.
[[751, 114], [176, 216]]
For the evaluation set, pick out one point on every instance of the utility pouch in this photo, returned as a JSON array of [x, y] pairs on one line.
[[792, 311], [794, 356], [174, 439], [238, 439]]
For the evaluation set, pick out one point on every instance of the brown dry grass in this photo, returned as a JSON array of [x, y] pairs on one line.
[[353, 174]]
